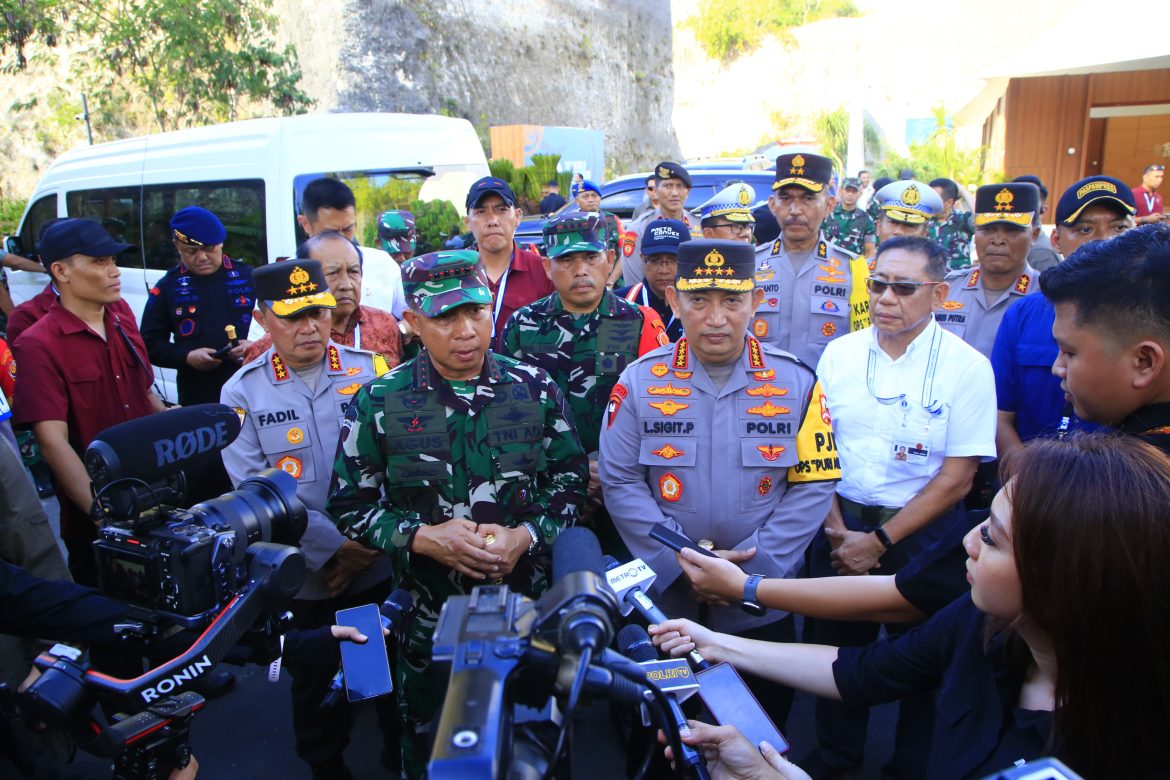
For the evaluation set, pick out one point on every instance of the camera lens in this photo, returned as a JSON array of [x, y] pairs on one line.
[[264, 508]]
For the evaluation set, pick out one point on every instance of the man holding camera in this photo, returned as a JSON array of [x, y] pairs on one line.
[[291, 401], [462, 464]]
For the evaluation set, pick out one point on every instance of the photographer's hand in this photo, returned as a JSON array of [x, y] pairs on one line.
[[187, 773], [455, 544], [350, 560], [730, 756], [510, 543]]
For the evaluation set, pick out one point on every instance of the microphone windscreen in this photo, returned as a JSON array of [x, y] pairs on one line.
[[611, 563], [576, 549], [395, 607], [634, 643], [157, 445]]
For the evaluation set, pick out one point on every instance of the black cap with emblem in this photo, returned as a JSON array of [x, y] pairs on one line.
[[715, 264]]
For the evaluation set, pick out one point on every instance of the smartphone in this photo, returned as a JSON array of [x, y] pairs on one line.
[[732, 703], [366, 667], [222, 352], [677, 541]]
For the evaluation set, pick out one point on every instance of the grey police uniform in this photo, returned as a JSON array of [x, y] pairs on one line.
[[289, 426], [804, 310], [966, 312], [751, 465], [632, 271]]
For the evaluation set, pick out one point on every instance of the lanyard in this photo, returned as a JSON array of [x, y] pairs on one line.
[[646, 303], [1151, 199], [1065, 420], [500, 295], [928, 401], [357, 336]]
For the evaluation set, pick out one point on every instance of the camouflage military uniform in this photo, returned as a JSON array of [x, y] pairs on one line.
[[850, 230], [416, 449], [584, 354], [954, 233]]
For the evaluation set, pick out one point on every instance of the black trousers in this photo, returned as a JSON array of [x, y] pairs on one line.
[[841, 727], [322, 736]]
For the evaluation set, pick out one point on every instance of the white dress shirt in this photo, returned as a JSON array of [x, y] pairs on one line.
[[890, 448], [382, 282]]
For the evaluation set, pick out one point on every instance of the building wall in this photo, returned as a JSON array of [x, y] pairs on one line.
[[1047, 117], [1132, 143]]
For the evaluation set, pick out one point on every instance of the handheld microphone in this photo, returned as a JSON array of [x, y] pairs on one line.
[[152, 448], [630, 581], [393, 611], [672, 677]]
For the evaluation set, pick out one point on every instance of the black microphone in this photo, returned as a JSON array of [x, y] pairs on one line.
[[394, 610], [627, 581], [152, 448], [586, 607], [635, 644]]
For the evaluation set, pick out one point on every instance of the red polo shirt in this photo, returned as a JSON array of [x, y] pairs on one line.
[[524, 282], [69, 373], [1147, 202]]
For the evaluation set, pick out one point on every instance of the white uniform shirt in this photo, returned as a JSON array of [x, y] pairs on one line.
[[889, 451], [382, 282]]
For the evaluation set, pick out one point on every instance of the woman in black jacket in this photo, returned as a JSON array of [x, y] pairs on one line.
[[1061, 647]]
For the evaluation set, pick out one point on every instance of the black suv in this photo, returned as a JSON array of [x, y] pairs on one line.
[[625, 193]]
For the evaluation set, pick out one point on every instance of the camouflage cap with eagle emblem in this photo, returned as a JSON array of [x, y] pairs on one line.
[[1014, 202], [437, 282], [909, 201], [733, 203], [715, 264], [291, 286], [811, 171]]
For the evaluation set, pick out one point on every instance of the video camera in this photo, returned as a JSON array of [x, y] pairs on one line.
[[501, 649], [222, 567], [181, 565]]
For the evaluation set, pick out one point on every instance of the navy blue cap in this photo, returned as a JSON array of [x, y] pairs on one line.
[[662, 237], [490, 185], [672, 170], [67, 237], [1107, 189], [196, 226]]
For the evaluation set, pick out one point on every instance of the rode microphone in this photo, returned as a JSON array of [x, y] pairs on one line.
[[673, 678], [153, 447], [630, 582], [584, 607], [394, 610]]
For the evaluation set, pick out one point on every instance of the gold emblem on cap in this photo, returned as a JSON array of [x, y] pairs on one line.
[[713, 259], [1003, 200], [663, 172], [911, 196], [298, 279], [744, 198], [797, 165]]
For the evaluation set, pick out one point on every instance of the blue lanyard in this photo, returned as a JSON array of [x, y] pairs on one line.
[[929, 403], [646, 303]]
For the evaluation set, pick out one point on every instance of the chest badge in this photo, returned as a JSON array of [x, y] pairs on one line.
[[668, 452], [668, 389], [769, 410], [764, 376], [291, 466], [350, 389], [951, 305], [770, 452], [828, 330], [669, 408], [760, 329], [767, 391], [659, 370], [765, 486], [295, 436], [670, 487]]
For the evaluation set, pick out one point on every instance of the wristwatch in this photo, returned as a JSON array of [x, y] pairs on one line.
[[749, 603], [530, 527]]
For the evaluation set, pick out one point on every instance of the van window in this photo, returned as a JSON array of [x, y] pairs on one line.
[[117, 208], [238, 204], [378, 191], [43, 211]]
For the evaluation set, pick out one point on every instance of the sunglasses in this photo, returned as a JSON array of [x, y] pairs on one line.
[[901, 289]]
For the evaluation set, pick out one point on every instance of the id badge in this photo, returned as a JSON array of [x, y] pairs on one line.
[[911, 452]]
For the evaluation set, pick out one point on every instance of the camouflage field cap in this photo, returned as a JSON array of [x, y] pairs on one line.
[[292, 286], [396, 231], [575, 232], [440, 281], [909, 201], [715, 264]]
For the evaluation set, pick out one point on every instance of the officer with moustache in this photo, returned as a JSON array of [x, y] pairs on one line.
[[291, 401], [720, 438], [814, 291]]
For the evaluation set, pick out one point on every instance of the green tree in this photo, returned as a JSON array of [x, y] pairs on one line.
[[189, 62], [940, 155], [728, 29], [435, 221]]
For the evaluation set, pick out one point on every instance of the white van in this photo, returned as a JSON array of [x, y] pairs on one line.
[[251, 175]]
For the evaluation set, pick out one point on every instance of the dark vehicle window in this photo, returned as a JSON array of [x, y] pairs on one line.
[[238, 204], [623, 203], [118, 209], [41, 212], [373, 191]]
